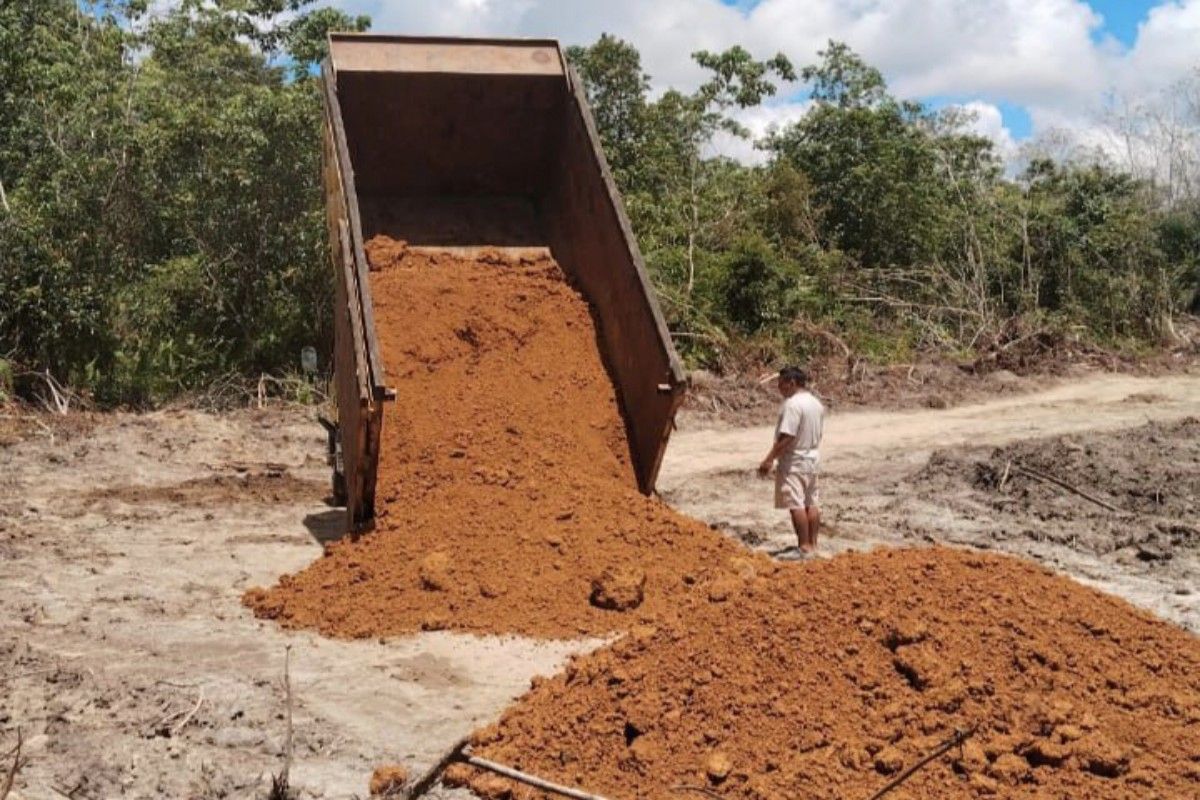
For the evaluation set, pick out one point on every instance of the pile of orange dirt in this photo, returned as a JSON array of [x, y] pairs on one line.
[[829, 679], [506, 499], [506, 504]]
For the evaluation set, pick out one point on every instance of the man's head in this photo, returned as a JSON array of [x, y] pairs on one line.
[[792, 380]]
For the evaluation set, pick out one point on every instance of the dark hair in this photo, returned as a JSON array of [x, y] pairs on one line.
[[795, 375]]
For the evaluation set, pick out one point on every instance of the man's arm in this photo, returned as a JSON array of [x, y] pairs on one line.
[[782, 442]]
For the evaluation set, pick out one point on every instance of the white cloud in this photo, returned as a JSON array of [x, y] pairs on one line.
[[1023, 49], [759, 121], [1168, 45], [1049, 56], [988, 121], [1018, 50]]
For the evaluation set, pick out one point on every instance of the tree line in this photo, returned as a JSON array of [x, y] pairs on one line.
[[161, 223], [880, 225]]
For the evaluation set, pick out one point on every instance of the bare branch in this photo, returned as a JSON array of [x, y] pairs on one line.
[[10, 777]]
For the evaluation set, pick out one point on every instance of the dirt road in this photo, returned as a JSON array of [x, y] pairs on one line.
[[871, 463], [132, 669]]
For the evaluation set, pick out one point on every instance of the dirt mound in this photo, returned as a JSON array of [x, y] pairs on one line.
[[273, 486], [20, 421], [1113, 467], [827, 679], [505, 453], [506, 505], [1150, 474]]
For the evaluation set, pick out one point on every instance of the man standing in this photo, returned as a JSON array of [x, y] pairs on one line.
[[797, 439]]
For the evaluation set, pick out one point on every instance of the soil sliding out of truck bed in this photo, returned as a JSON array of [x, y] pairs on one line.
[[505, 485], [506, 494]]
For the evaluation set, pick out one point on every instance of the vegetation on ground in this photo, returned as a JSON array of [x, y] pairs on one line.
[[161, 223]]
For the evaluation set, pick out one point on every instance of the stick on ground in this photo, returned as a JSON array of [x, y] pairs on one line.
[[183, 722], [287, 695], [698, 790], [424, 783], [1041, 476], [526, 778], [958, 738], [459, 753], [280, 787], [16, 675], [11, 776]]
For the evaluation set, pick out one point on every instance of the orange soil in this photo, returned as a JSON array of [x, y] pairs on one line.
[[825, 680], [506, 505], [505, 486]]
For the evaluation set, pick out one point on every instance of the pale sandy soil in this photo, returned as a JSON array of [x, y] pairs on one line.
[[130, 666], [116, 615]]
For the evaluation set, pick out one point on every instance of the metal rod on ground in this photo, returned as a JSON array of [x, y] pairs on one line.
[[958, 738], [531, 780], [1041, 476]]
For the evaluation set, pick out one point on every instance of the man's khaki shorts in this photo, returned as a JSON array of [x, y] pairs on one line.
[[796, 490]]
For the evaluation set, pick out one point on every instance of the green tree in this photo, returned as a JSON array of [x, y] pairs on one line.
[[871, 160], [616, 87], [687, 123], [1096, 250], [161, 174]]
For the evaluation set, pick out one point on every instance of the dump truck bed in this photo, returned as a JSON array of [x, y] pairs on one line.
[[464, 144]]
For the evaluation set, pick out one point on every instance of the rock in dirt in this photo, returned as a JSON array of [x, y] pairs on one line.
[[1009, 768], [723, 588], [889, 761], [619, 589], [387, 780], [491, 588], [1004, 378], [1149, 552], [717, 766], [971, 757], [435, 572], [1101, 756]]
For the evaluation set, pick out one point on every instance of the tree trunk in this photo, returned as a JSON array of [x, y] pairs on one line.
[[693, 223]]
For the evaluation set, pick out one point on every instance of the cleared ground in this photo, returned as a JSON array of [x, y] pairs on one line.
[[876, 488], [132, 669]]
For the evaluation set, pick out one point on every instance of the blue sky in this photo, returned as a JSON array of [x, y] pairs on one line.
[[1121, 17]]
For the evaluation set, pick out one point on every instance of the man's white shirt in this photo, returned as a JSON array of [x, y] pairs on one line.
[[803, 416]]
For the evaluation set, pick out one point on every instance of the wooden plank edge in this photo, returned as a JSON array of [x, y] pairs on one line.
[[350, 192]]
